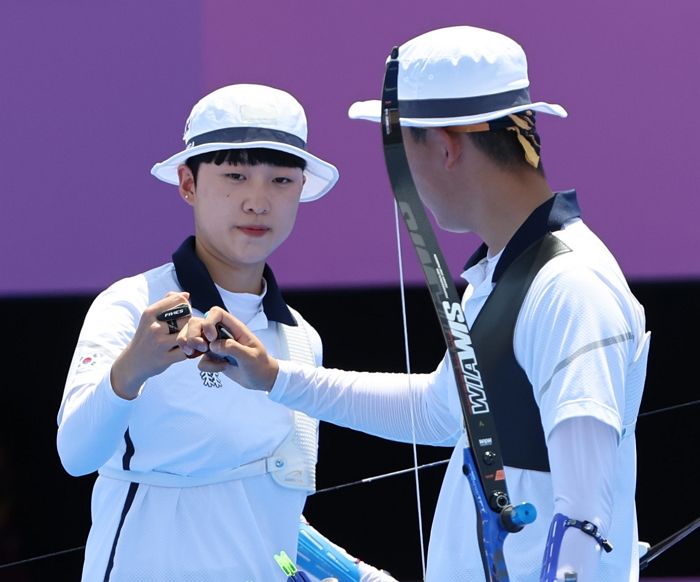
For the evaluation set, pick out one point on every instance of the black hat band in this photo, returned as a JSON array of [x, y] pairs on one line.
[[462, 106], [247, 134]]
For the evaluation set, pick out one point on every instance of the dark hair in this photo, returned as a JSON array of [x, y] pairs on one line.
[[246, 157], [500, 145]]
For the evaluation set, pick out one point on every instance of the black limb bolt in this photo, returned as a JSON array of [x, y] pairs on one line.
[[498, 501]]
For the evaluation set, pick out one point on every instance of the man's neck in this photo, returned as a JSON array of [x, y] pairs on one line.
[[509, 198]]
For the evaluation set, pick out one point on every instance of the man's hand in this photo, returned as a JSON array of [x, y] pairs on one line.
[[152, 349], [256, 369]]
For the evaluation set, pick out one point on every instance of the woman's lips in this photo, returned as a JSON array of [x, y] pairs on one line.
[[254, 230]]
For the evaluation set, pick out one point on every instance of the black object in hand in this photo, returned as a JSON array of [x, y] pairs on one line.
[[181, 310], [224, 334]]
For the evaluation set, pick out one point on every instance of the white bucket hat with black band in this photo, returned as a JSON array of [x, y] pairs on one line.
[[459, 75], [250, 116]]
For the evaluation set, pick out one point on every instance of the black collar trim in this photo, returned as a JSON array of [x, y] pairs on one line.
[[548, 217], [195, 279]]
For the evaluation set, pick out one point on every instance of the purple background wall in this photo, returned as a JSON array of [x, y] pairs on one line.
[[94, 93]]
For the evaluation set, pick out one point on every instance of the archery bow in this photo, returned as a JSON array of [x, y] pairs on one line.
[[483, 464]]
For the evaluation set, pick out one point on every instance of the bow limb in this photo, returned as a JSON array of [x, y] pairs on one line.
[[483, 467]]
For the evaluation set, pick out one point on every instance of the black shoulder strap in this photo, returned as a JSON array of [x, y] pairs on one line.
[[510, 393]]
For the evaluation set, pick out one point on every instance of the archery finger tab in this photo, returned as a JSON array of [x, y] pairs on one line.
[[223, 334], [174, 313]]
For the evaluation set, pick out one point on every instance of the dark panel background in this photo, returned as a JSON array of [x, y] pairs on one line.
[[43, 510]]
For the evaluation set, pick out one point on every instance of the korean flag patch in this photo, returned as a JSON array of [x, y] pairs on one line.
[[87, 361]]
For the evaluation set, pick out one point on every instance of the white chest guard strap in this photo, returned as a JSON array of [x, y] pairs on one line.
[[294, 461]]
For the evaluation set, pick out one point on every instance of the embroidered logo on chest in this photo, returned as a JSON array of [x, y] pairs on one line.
[[210, 379]]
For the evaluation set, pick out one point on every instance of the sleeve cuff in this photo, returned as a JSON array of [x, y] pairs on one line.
[[279, 388], [584, 408], [107, 392]]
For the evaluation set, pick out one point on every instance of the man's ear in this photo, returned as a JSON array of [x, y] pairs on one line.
[[186, 185], [451, 146]]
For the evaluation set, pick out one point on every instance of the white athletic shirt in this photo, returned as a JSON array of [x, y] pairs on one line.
[[188, 430], [580, 337]]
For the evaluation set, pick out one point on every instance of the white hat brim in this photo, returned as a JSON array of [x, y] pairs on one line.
[[372, 111], [320, 176]]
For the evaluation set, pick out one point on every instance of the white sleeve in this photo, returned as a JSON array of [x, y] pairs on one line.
[[92, 419], [578, 367], [582, 453], [391, 406]]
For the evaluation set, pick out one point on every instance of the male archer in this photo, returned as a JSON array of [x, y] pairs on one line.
[[562, 346]]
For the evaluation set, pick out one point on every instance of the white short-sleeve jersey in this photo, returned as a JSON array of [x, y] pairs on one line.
[[580, 337]]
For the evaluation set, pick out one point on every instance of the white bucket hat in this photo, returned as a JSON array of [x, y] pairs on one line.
[[250, 116], [459, 76]]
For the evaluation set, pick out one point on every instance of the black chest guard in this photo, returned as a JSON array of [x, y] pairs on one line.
[[510, 393]]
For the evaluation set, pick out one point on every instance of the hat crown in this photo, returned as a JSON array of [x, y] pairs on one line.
[[250, 116], [458, 62], [246, 105]]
